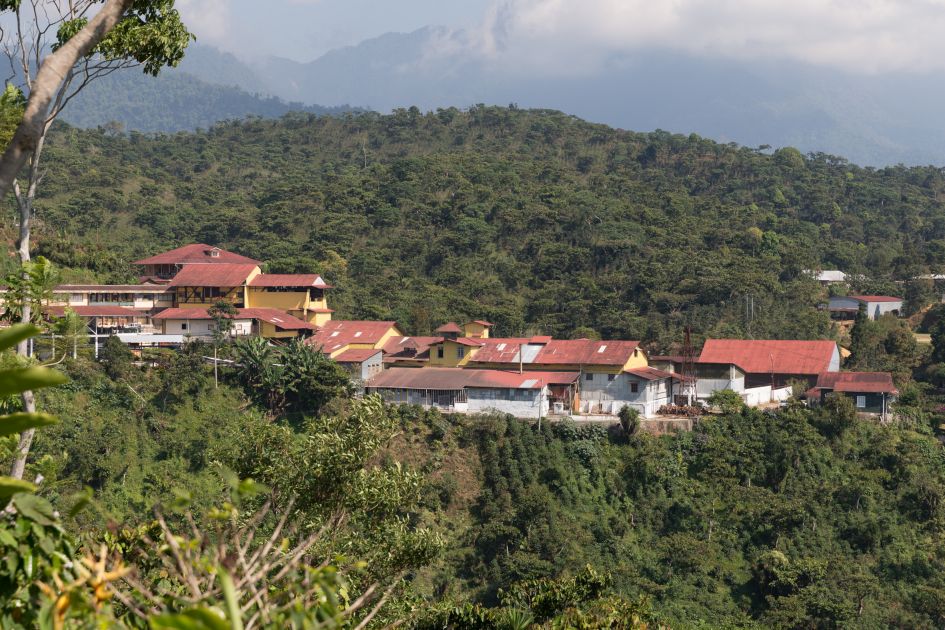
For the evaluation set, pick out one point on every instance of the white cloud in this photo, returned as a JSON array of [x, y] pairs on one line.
[[858, 35], [209, 20]]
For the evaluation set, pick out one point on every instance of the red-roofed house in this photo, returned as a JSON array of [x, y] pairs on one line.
[[762, 370], [166, 264], [478, 328], [408, 351], [339, 335], [361, 363], [264, 322], [847, 306], [871, 392], [523, 395]]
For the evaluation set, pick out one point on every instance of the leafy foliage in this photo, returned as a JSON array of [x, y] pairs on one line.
[[532, 219]]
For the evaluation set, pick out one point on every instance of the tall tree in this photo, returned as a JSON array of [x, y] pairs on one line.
[[55, 49], [222, 313]]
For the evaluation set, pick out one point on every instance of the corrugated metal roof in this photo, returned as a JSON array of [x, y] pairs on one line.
[[449, 327], [459, 378], [111, 288], [340, 332], [481, 322], [308, 280], [586, 352], [651, 374], [196, 253], [765, 356], [272, 316], [356, 355], [875, 298], [857, 382], [277, 318], [505, 350], [222, 275], [95, 311]]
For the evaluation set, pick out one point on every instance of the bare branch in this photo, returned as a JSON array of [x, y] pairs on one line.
[[48, 79]]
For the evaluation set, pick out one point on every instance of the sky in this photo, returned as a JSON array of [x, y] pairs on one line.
[[303, 30], [571, 36]]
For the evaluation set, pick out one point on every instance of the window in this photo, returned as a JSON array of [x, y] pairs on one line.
[[439, 352], [611, 377], [861, 402], [183, 326], [588, 377], [634, 387], [460, 353]]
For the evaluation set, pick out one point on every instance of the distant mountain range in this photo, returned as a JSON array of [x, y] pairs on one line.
[[869, 119], [208, 87]]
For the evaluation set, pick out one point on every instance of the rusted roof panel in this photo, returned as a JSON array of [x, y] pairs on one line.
[[307, 280], [196, 253], [223, 275], [765, 356]]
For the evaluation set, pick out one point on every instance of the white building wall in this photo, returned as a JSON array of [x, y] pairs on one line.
[[204, 327], [521, 403], [600, 395]]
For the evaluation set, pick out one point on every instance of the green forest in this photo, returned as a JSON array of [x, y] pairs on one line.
[[789, 519], [532, 219], [539, 222]]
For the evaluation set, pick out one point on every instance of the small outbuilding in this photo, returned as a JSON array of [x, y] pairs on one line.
[[871, 392], [847, 306]]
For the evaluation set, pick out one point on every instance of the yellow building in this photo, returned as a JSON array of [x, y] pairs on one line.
[[337, 336], [300, 295]]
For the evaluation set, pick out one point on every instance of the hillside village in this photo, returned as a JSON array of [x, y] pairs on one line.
[[464, 368]]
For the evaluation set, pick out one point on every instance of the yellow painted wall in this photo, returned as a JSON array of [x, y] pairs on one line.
[[638, 360], [282, 300], [450, 358], [269, 331], [233, 295], [319, 319], [472, 329], [393, 331]]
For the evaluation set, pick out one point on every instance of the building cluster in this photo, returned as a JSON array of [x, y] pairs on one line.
[[176, 291], [462, 368]]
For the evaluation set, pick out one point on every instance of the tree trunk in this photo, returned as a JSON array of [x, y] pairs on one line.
[[54, 70], [26, 440], [27, 144]]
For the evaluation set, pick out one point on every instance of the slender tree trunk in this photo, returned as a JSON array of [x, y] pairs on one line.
[[51, 74], [26, 440]]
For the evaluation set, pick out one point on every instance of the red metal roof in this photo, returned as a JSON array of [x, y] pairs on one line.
[[586, 352], [111, 288], [857, 382], [103, 310], [338, 333], [500, 350], [449, 327], [308, 280], [876, 298], [273, 316], [651, 374], [765, 356], [223, 275], [356, 355], [481, 322], [408, 348], [196, 253], [459, 378]]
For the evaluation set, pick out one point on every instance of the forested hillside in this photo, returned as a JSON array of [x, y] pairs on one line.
[[532, 219], [795, 519], [173, 101]]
